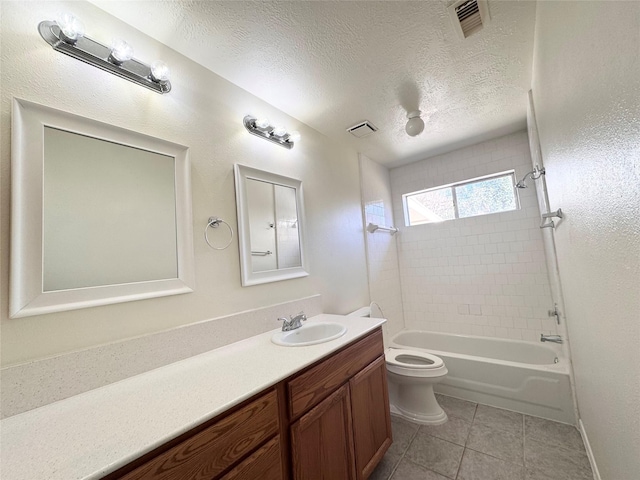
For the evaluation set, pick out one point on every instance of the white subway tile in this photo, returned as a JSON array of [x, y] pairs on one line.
[[502, 332], [479, 271]]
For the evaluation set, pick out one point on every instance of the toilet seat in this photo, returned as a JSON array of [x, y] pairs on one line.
[[412, 358], [414, 363]]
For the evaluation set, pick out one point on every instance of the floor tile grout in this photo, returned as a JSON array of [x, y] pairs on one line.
[[493, 456], [524, 442], [473, 421], [393, 470]]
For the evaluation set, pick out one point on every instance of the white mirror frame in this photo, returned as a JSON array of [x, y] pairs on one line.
[[242, 174], [27, 296]]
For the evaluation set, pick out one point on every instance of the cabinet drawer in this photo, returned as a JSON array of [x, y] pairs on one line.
[[309, 388], [211, 451], [264, 464]]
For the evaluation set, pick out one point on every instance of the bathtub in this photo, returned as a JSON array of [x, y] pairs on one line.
[[511, 374]]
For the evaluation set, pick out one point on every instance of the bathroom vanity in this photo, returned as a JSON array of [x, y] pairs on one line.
[[275, 413]]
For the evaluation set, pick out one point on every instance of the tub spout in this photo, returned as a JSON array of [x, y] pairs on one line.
[[550, 338]]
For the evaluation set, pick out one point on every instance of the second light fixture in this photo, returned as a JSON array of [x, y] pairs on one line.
[[262, 128]]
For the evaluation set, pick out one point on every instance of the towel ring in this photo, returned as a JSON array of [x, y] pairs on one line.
[[215, 223]]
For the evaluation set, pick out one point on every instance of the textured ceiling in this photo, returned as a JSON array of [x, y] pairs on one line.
[[332, 64]]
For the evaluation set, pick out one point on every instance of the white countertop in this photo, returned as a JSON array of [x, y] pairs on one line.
[[97, 432]]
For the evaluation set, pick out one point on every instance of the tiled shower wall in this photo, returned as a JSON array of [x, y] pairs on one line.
[[382, 253], [483, 275]]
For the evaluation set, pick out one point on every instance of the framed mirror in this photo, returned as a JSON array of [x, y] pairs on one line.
[[100, 214], [270, 226]]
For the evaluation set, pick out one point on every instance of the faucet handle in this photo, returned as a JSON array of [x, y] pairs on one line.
[[283, 319]]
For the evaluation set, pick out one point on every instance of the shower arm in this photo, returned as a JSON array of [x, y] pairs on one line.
[[535, 175], [546, 217]]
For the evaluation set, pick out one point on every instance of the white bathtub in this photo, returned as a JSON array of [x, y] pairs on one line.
[[512, 374]]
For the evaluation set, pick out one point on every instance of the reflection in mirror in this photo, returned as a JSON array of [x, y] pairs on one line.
[[270, 226], [99, 214], [109, 213], [287, 237], [273, 226]]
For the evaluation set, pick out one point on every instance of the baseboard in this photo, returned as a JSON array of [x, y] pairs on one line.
[[587, 446]]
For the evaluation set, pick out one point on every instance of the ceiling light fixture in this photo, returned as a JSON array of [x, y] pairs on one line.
[[261, 127], [66, 35], [415, 124]]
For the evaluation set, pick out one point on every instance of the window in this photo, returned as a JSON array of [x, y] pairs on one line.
[[478, 196]]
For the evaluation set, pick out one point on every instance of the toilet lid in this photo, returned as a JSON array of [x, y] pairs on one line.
[[412, 359]]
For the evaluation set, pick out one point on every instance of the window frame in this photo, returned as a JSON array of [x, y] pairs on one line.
[[454, 197]]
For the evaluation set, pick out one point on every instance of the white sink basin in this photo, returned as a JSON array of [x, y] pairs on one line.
[[310, 334]]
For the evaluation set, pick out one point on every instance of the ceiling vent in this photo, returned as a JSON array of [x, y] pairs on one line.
[[469, 16], [362, 129]]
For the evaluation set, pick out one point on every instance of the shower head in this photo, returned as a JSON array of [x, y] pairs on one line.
[[535, 174]]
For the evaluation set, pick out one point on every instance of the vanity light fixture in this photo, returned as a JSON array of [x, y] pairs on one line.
[[263, 129], [66, 35]]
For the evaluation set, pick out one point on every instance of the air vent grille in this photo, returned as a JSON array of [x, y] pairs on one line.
[[469, 16], [362, 129]]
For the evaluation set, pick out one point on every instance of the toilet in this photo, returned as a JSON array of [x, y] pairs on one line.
[[411, 375]]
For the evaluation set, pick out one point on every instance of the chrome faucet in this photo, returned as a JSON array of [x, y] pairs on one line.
[[550, 338], [293, 323]]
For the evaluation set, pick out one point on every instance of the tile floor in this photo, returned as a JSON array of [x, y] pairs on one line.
[[484, 443]]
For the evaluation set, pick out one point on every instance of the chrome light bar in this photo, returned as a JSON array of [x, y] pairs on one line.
[[95, 53], [263, 129]]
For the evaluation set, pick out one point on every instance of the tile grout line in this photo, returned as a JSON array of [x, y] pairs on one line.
[[404, 453], [524, 464], [493, 456], [442, 440], [473, 419], [466, 447], [524, 440]]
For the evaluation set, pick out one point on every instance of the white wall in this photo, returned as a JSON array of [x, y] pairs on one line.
[[586, 84], [382, 254], [482, 275], [204, 112]]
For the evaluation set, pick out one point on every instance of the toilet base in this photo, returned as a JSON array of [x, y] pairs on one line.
[[435, 419], [413, 399]]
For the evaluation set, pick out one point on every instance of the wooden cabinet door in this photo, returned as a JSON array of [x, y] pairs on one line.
[[322, 440], [371, 416]]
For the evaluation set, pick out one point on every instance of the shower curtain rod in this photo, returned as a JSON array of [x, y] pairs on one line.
[[372, 227]]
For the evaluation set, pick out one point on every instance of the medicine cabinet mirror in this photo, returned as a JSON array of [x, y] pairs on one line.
[[270, 226], [100, 214]]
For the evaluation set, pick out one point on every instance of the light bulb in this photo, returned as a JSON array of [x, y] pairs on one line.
[[294, 137], [70, 26], [160, 72], [280, 131], [415, 124], [121, 51], [262, 123]]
